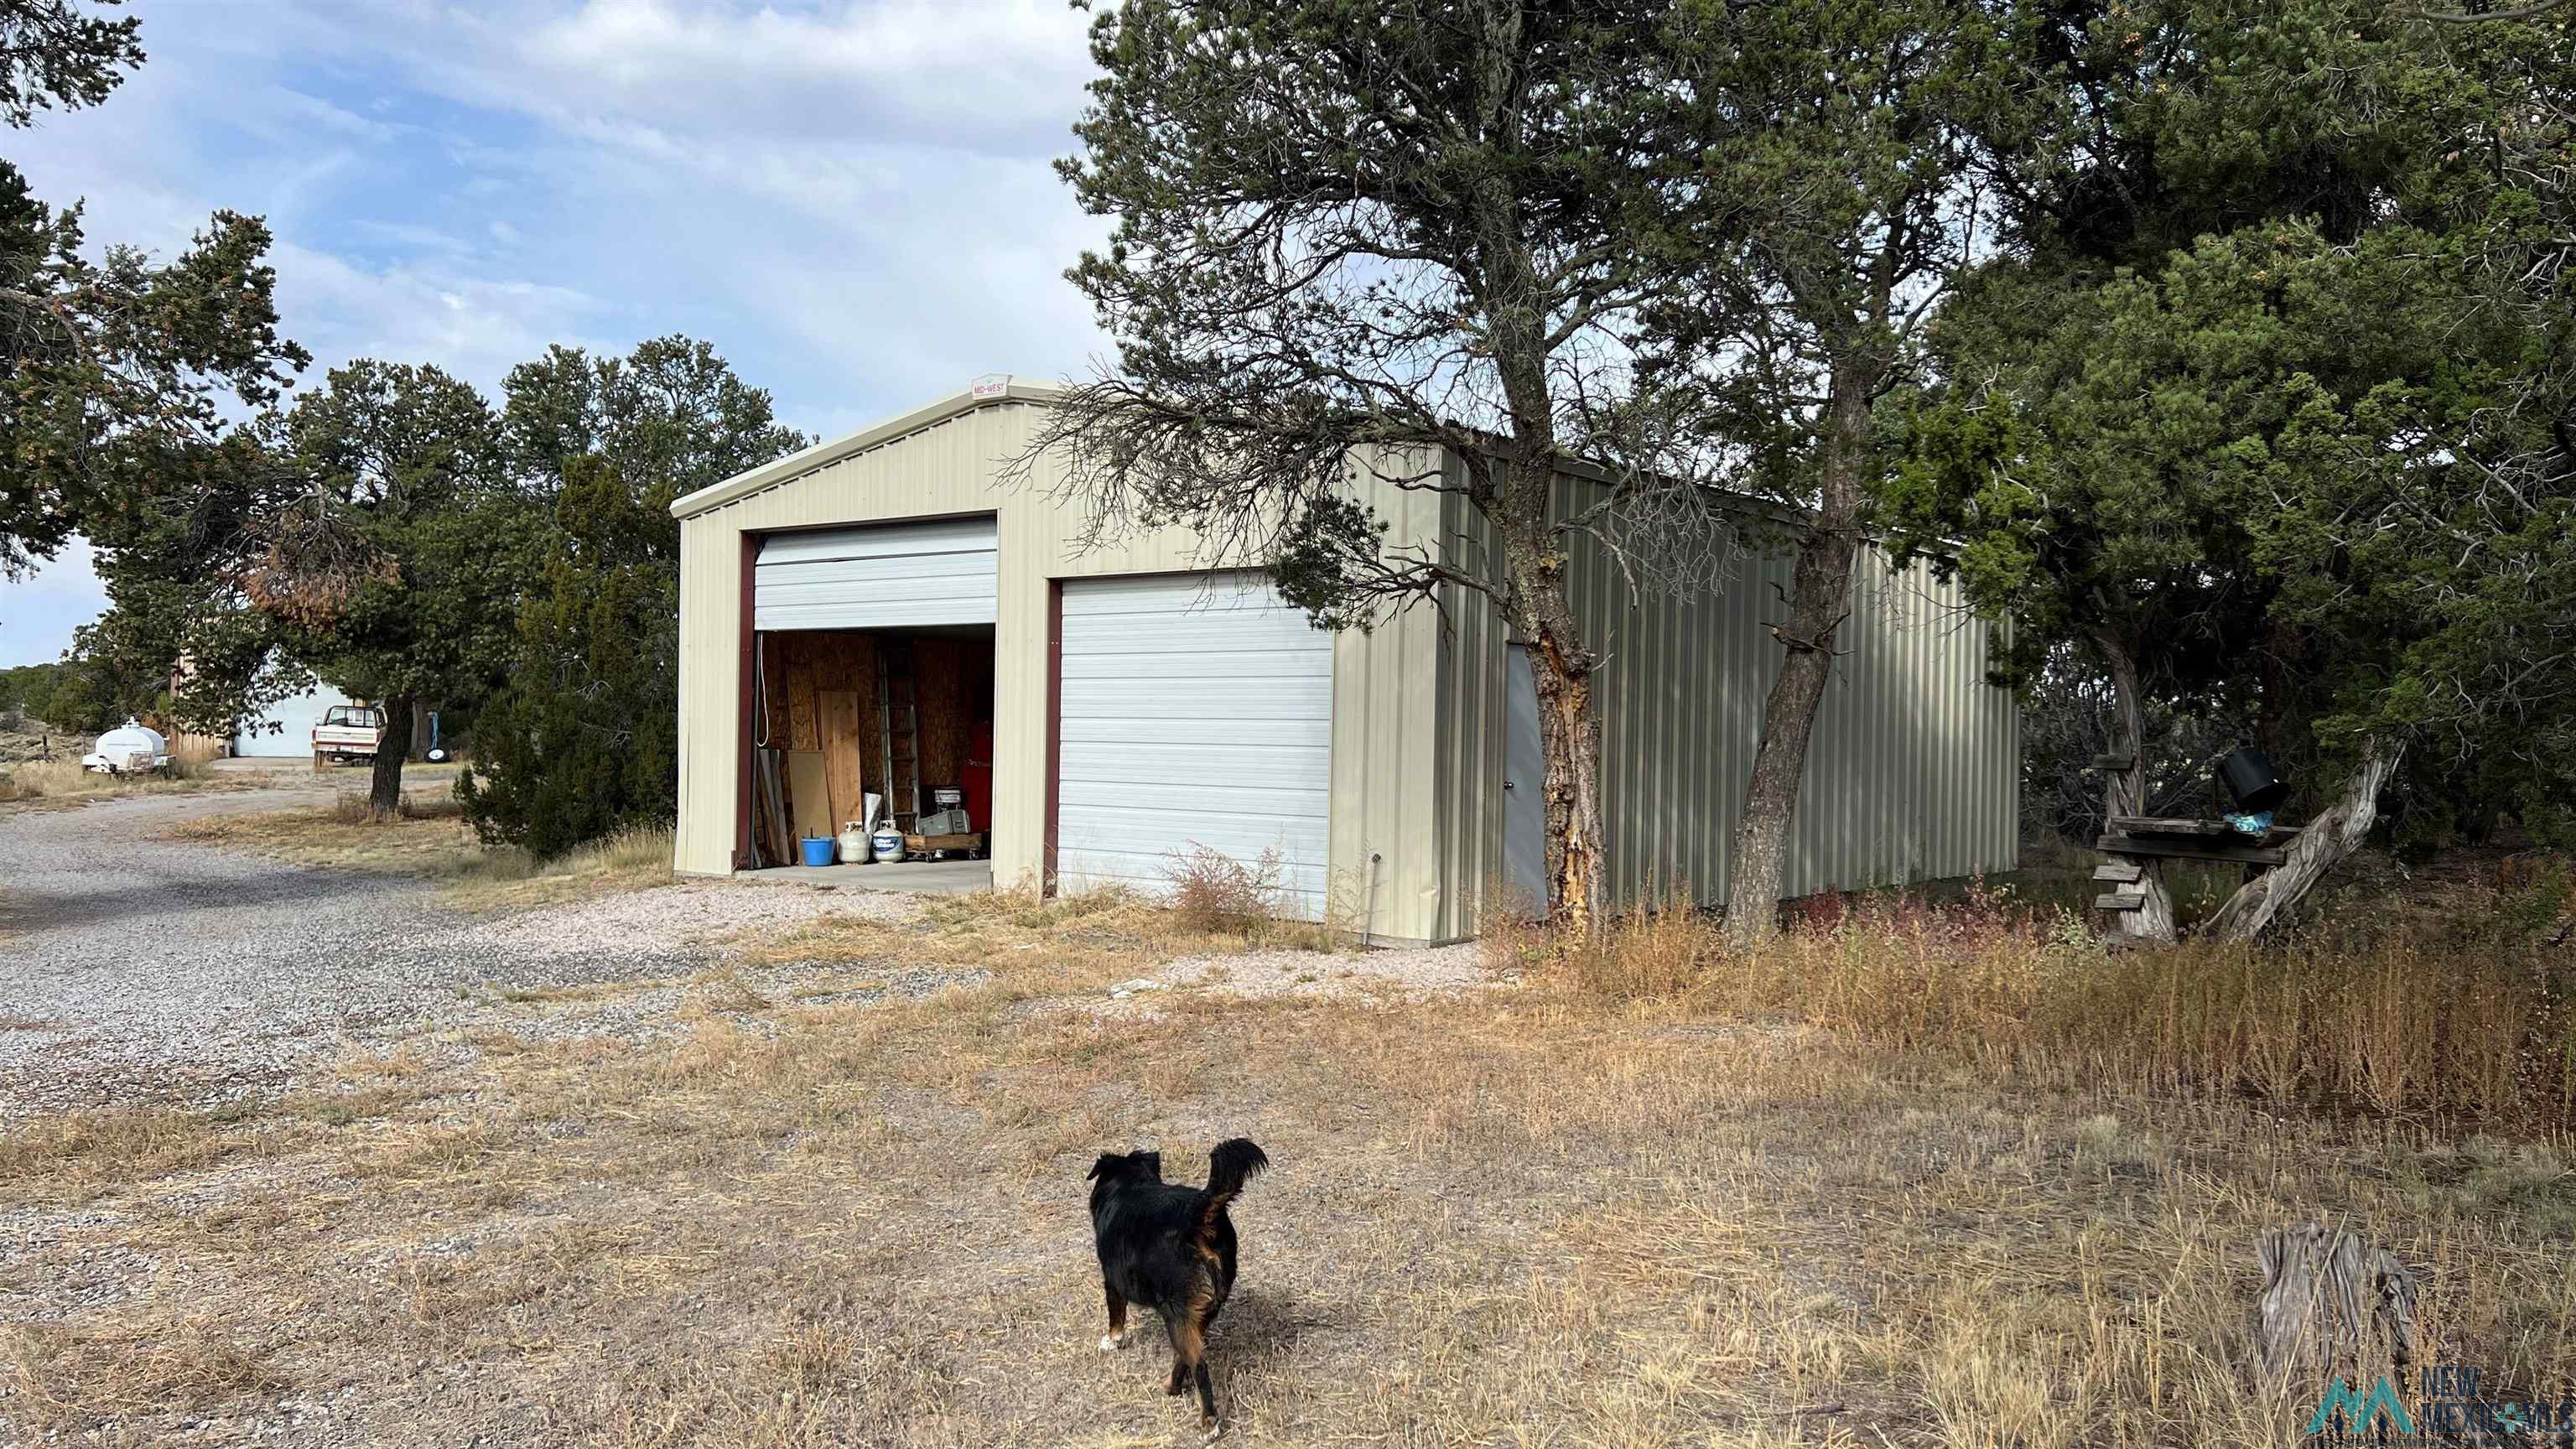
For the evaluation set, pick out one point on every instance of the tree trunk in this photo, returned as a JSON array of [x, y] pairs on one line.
[[2124, 792], [2334, 1308], [2329, 840], [1534, 558], [1569, 731], [384, 794], [1819, 600], [1569, 724]]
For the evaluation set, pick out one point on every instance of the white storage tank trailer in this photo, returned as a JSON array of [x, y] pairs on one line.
[[133, 749]]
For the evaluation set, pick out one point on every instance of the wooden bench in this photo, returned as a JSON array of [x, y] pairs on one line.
[[2133, 840]]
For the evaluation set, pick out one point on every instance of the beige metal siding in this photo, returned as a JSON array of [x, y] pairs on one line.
[[1386, 753], [1912, 773], [1471, 716], [944, 461]]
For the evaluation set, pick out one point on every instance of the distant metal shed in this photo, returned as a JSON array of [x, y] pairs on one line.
[[1142, 703]]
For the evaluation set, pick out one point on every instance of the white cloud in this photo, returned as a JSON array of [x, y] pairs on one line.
[[427, 310], [1002, 75]]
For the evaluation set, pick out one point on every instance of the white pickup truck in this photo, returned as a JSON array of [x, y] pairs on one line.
[[348, 732]]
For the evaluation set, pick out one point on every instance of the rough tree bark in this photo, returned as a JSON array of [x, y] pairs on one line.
[[1569, 725], [1819, 600], [2124, 792], [2329, 840], [384, 791], [2333, 1307]]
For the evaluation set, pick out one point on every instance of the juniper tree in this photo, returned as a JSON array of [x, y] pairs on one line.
[[1836, 191], [2266, 406], [1350, 234], [67, 53], [582, 737], [108, 360], [393, 563]]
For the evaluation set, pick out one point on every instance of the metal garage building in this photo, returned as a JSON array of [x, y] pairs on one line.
[[881, 608], [284, 730]]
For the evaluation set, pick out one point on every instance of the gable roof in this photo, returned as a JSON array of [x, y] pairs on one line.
[[985, 392]]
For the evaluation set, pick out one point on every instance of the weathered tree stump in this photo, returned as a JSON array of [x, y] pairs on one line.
[[2333, 1307]]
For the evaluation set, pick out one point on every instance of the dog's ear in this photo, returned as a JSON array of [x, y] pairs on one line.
[[1153, 1162], [1108, 1164]]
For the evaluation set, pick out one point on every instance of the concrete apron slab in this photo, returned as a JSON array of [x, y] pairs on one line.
[[908, 877]]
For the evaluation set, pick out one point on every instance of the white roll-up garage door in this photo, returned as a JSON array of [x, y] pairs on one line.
[[1195, 710], [882, 576]]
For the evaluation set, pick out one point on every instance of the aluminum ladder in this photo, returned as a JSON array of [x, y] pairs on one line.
[[899, 733]]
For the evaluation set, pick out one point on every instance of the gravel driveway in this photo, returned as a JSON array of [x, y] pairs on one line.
[[135, 969]]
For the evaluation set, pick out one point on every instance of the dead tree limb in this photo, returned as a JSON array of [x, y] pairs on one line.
[[2327, 842]]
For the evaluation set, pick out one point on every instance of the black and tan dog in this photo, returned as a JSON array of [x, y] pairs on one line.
[[1171, 1247]]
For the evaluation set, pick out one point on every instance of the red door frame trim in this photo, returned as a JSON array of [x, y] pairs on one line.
[[744, 774], [1054, 729]]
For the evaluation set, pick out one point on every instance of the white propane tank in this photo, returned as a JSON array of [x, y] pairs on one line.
[[133, 749], [889, 846], [854, 843]]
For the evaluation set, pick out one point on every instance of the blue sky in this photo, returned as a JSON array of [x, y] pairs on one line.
[[853, 201]]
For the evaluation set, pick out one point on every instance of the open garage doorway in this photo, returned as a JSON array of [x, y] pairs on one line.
[[872, 685]]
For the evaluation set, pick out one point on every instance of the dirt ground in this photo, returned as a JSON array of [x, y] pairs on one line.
[[825, 1187], [35, 740], [1495, 1218]]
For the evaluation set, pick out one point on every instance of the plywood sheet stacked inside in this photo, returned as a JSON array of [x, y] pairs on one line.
[[822, 696]]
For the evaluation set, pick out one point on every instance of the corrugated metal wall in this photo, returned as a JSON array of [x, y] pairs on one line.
[[1912, 774], [1384, 844]]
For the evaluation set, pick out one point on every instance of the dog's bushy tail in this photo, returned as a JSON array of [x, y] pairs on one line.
[[1234, 1160]]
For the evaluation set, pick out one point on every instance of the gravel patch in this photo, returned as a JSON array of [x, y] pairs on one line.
[[1404, 971], [139, 969], [656, 1011], [676, 919]]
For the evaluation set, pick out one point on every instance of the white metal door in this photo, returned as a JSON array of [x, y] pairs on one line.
[[1194, 710], [1524, 786], [881, 576]]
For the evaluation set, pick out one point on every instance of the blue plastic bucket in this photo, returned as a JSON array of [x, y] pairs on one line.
[[818, 849]]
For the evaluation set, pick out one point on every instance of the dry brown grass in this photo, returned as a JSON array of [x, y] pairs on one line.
[[1601, 1210], [127, 1366], [61, 783], [1037, 946], [636, 858], [428, 837], [2471, 1017], [75, 1153]]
